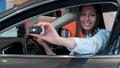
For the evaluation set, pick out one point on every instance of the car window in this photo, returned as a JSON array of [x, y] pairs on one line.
[[60, 19], [109, 18], [116, 46]]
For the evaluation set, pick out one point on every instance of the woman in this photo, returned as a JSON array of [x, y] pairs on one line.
[[94, 36]]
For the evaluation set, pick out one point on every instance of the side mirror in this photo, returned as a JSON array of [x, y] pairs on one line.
[[65, 33]]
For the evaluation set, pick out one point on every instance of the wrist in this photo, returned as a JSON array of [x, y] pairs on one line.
[[61, 41], [67, 42]]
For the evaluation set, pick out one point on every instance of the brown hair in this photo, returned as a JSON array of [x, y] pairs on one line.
[[99, 20]]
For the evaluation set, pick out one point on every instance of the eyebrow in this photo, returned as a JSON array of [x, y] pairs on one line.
[[84, 12]]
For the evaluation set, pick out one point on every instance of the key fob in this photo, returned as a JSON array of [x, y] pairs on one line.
[[36, 30]]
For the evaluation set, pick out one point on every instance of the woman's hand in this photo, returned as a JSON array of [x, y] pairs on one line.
[[44, 44], [51, 35]]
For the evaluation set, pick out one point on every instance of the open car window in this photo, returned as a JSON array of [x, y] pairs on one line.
[[60, 18]]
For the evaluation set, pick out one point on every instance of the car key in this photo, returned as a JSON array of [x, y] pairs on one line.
[[36, 30]]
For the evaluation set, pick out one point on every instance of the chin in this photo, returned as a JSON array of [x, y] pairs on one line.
[[87, 28]]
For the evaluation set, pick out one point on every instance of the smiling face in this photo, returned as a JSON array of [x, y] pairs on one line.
[[88, 18]]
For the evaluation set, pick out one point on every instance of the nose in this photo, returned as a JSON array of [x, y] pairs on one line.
[[87, 17]]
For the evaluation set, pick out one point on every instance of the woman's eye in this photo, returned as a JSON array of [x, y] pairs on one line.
[[93, 14]]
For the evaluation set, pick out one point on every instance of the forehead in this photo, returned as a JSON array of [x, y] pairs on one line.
[[88, 8]]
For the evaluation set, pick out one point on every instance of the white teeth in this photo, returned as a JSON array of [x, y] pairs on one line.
[[87, 23]]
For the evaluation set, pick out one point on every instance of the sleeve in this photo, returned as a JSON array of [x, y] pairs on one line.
[[91, 45]]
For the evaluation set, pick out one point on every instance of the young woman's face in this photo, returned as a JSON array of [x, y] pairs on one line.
[[88, 18]]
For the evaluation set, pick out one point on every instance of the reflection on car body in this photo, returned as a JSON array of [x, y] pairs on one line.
[[20, 50]]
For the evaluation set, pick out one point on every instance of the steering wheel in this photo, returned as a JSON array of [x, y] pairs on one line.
[[30, 46]]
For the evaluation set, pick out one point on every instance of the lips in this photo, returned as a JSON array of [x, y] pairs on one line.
[[87, 24]]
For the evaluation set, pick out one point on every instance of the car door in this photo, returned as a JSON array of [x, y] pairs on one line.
[[12, 60]]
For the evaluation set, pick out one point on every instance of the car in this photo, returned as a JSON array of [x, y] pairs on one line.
[[19, 50]]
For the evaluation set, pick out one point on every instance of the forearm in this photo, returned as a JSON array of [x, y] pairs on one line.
[[48, 49], [68, 43]]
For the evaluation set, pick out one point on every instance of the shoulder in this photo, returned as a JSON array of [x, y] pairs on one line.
[[102, 32]]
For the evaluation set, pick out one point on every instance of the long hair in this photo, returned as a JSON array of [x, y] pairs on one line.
[[99, 20]]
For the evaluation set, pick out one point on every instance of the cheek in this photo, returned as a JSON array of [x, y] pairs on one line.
[[82, 18], [81, 21], [93, 20]]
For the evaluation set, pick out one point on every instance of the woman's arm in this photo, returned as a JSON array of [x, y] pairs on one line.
[[67, 42], [48, 49], [44, 44], [52, 36], [91, 45]]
